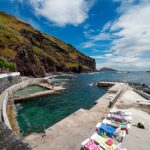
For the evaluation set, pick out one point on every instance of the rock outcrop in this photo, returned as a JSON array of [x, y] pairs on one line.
[[34, 53], [107, 69], [10, 141]]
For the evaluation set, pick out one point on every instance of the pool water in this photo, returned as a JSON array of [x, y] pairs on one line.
[[43, 112], [30, 90]]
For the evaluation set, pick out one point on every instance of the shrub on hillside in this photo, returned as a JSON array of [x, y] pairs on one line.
[[4, 63]]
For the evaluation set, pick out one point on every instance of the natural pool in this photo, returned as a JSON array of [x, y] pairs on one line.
[[32, 116], [30, 90]]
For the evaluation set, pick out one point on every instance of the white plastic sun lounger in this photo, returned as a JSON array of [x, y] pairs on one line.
[[120, 112], [85, 141], [89, 144], [119, 117], [118, 134], [102, 142], [109, 122]]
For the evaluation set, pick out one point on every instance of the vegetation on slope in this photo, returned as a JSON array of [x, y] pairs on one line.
[[4, 63], [34, 53]]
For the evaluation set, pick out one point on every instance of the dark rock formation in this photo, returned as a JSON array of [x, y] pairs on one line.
[[10, 141], [141, 87], [35, 53]]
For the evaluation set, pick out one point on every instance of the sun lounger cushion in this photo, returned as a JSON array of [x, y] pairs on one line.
[[114, 124], [104, 143], [110, 131], [121, 113], [119, 117], [109, 142], [90, 145]]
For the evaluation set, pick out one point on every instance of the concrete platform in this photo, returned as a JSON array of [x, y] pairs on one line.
[[137, 139]]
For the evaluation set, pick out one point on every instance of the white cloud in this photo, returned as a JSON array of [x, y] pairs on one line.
[[102, 56], [106, 26], [122, 63], [86, 26], [98, 57], [130, 35], [135, 30], [94, 38], [63, 12], [102, 36], [132, 44], [88, 44]]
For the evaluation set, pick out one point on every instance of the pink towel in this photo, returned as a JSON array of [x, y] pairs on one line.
[[91, 146]]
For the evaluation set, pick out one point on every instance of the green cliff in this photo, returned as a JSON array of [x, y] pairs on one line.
[[33, 53]]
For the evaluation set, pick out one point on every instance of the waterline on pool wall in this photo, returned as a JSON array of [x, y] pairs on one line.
[[30, 90]]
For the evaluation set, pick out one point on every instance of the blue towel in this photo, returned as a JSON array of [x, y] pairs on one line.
[[106, 128]]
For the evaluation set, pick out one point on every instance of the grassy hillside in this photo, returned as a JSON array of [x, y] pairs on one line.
[[33, 53]]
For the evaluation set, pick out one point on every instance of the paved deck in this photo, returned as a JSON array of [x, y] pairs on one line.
[[137, 138]]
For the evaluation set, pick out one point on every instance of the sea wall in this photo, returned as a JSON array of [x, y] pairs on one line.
[[147, 96], [4, 110], [114, 99], [7, 80]]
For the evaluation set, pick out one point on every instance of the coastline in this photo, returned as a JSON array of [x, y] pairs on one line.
[[82, 122]]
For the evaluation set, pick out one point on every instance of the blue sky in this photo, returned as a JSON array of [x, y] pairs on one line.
[[114, 32]]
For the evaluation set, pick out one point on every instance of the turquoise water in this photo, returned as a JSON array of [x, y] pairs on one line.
[[30, 90], [33, 115]]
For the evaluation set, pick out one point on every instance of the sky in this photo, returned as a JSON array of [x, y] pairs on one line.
[[116, 33]]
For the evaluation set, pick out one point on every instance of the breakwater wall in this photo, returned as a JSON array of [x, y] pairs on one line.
[[145, 95], [7, 80], [114, 99]]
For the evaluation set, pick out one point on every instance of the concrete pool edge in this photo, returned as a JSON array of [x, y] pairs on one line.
[[7, 95]]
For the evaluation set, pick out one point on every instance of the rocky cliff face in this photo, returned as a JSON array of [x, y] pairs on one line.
[[34, 53]]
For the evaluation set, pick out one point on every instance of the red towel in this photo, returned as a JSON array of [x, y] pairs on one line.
[[109, 142]]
